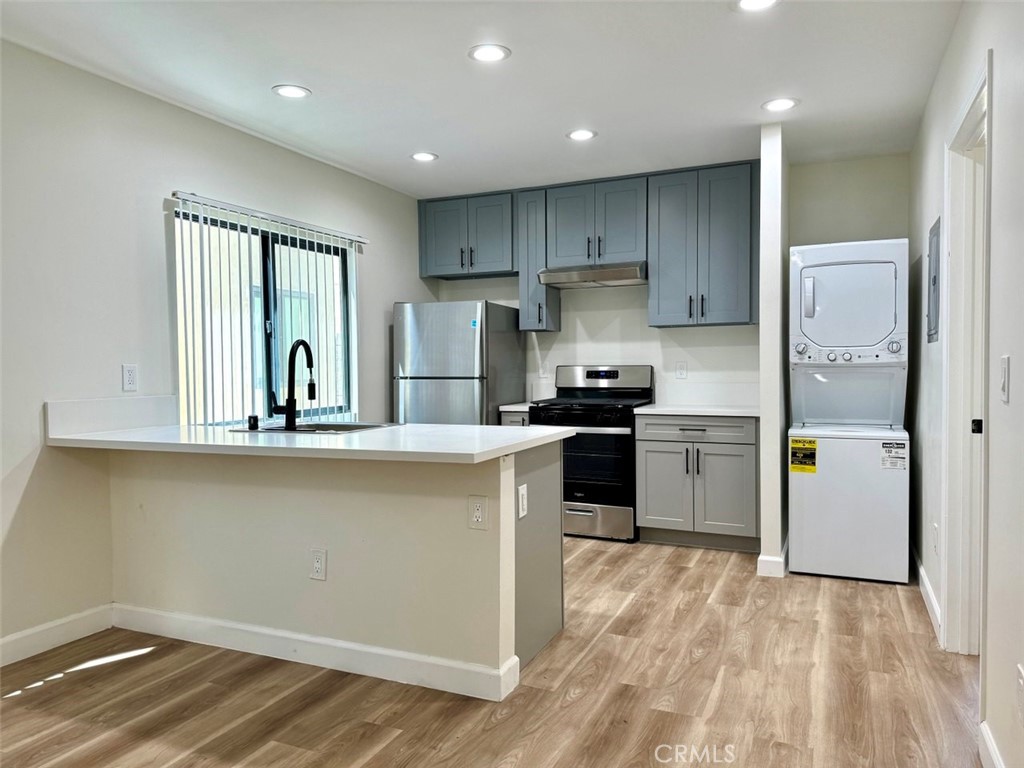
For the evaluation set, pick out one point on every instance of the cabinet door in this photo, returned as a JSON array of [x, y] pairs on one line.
[[672, 249], [620, 221], [446, 241], [490, 234], [539, 305], [725, 489], [723, 245], [664, 485], [570, 224]]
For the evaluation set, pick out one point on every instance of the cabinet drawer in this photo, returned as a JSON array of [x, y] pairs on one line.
[[697, 429], [515, 419]]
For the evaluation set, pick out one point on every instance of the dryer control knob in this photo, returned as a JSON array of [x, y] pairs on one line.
[[847, 356], [801, 348], [895, 346], [831, 357]]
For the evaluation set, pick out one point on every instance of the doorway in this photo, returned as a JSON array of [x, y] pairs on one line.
[[965, 242]]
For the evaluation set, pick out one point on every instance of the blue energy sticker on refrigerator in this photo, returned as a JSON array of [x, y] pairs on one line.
[[473, 323], [894, 454], [803, 455]]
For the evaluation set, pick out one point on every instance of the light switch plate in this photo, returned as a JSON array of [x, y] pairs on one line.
[[1004, 378], [522, 500]]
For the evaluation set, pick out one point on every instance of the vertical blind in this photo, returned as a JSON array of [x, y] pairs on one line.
[[248, 285]]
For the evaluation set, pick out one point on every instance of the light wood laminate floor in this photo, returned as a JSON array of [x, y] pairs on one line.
[[662, 646]]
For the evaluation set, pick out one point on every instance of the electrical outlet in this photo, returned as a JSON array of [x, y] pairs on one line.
[[935, 538], [318, 564], [478, 513], [680, 370], [522, 500], [129, 377], [1020, 693]]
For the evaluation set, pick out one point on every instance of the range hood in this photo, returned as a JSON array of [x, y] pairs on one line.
[[595, 276]]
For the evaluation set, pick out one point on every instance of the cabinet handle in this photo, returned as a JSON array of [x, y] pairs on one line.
[[687, 461], [693, 429], [462, 258], [599, 239], [470, 257], [540, 313], [702, 305], [588, 247], [691, 307], [698, 461]]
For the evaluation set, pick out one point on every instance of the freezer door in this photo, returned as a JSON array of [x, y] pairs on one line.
[[440, 401], [443, 339]]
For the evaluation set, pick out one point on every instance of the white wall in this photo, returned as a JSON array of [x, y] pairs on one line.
[[982, 26], [863, 199], [87, 285], [609, 325], [772, 350]]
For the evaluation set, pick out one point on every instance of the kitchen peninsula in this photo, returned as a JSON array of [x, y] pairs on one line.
[[213, 535]]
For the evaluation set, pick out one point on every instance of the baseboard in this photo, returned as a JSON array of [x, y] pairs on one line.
[[990, 757], [772, 565], [475, 680], [930, 601], [29, 642]]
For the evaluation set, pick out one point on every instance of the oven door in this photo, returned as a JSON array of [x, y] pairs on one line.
[[599, 482]]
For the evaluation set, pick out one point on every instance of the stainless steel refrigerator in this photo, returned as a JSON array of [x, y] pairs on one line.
[[455, 362]]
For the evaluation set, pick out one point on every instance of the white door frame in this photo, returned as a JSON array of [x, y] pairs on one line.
[[965, 245]]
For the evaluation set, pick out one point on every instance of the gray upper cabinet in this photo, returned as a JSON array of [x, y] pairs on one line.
[[570, 225], [603, 223], [447, 238], [468, 237], [672, 249], [723, 245], [701, 266], [539, 305]]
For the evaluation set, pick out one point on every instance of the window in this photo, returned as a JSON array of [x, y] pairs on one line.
[[248, 286]]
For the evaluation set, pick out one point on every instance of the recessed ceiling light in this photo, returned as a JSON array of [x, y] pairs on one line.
[[424, 157], [756, 5], [780, 105], [581, 134], [292, 91], [489, 52]]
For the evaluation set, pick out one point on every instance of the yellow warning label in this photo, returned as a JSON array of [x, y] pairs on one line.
[[803, 454]]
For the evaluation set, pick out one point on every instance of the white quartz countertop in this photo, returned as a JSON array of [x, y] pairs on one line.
[[442, 443], [668, 409], [515, 408]]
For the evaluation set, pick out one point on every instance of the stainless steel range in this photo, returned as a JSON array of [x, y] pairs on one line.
[[599, 462]]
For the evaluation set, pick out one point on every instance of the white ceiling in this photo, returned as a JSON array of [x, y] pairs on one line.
[[665, 84]]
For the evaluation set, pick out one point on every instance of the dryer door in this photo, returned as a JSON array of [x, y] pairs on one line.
[[863, 394], [847, 305]]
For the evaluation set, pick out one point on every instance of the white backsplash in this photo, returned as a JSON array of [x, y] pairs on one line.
[[609, 326]]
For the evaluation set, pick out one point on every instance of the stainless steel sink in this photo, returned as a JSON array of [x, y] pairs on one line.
[[329, 427]]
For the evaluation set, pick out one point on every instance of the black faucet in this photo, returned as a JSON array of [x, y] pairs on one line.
[[288, 409]]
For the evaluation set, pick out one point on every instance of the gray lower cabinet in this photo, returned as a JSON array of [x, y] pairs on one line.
[[515, 419], [701, 268], [467, 237], [688, 482], [602, 223], [539, 305]]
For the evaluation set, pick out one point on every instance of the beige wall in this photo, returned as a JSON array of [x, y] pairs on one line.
[[863, 199], [228, 538], [982, 26], [87, 285]]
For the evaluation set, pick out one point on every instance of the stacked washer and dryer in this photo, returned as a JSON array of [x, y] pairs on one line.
[[849, 478]]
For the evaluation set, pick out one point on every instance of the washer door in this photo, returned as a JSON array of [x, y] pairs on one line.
[[847, 305], [824, 394]]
